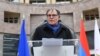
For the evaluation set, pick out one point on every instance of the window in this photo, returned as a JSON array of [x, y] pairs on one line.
[[11, 20], [90, 37], [13, 0], [10, 17], [16, 20], [37, 1], [5, 19], [10, 44], [63, 0], [10, 0], [91, 14]]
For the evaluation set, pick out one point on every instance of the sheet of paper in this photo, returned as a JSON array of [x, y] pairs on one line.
[[52, 42]]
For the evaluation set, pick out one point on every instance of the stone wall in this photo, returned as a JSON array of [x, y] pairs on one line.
[[28, 9]]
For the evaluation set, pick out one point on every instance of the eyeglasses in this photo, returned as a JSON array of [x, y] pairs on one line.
[[53, 15]]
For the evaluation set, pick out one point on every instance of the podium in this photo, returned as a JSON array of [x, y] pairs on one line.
[[67, 49]]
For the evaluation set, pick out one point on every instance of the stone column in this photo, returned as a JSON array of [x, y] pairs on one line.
[[53, 1], [21, 1], [27, 1], [99, 17], [77, 16], [2, 21], [74, 0], [99, 11], [48, 1], [1, 44]]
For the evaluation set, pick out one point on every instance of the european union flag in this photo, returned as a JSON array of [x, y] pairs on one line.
[[23, 49]]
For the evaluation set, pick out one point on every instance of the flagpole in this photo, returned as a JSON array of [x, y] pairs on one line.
[[23, 17]]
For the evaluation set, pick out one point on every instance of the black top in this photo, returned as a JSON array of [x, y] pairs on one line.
[[44, 31]]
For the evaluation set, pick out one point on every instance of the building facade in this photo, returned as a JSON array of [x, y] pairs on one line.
[[11, 14]]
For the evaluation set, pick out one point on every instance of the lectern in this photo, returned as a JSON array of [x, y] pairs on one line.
[[67, 49]]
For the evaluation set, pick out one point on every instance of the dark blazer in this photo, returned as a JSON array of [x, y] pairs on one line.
[[44, 31]]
